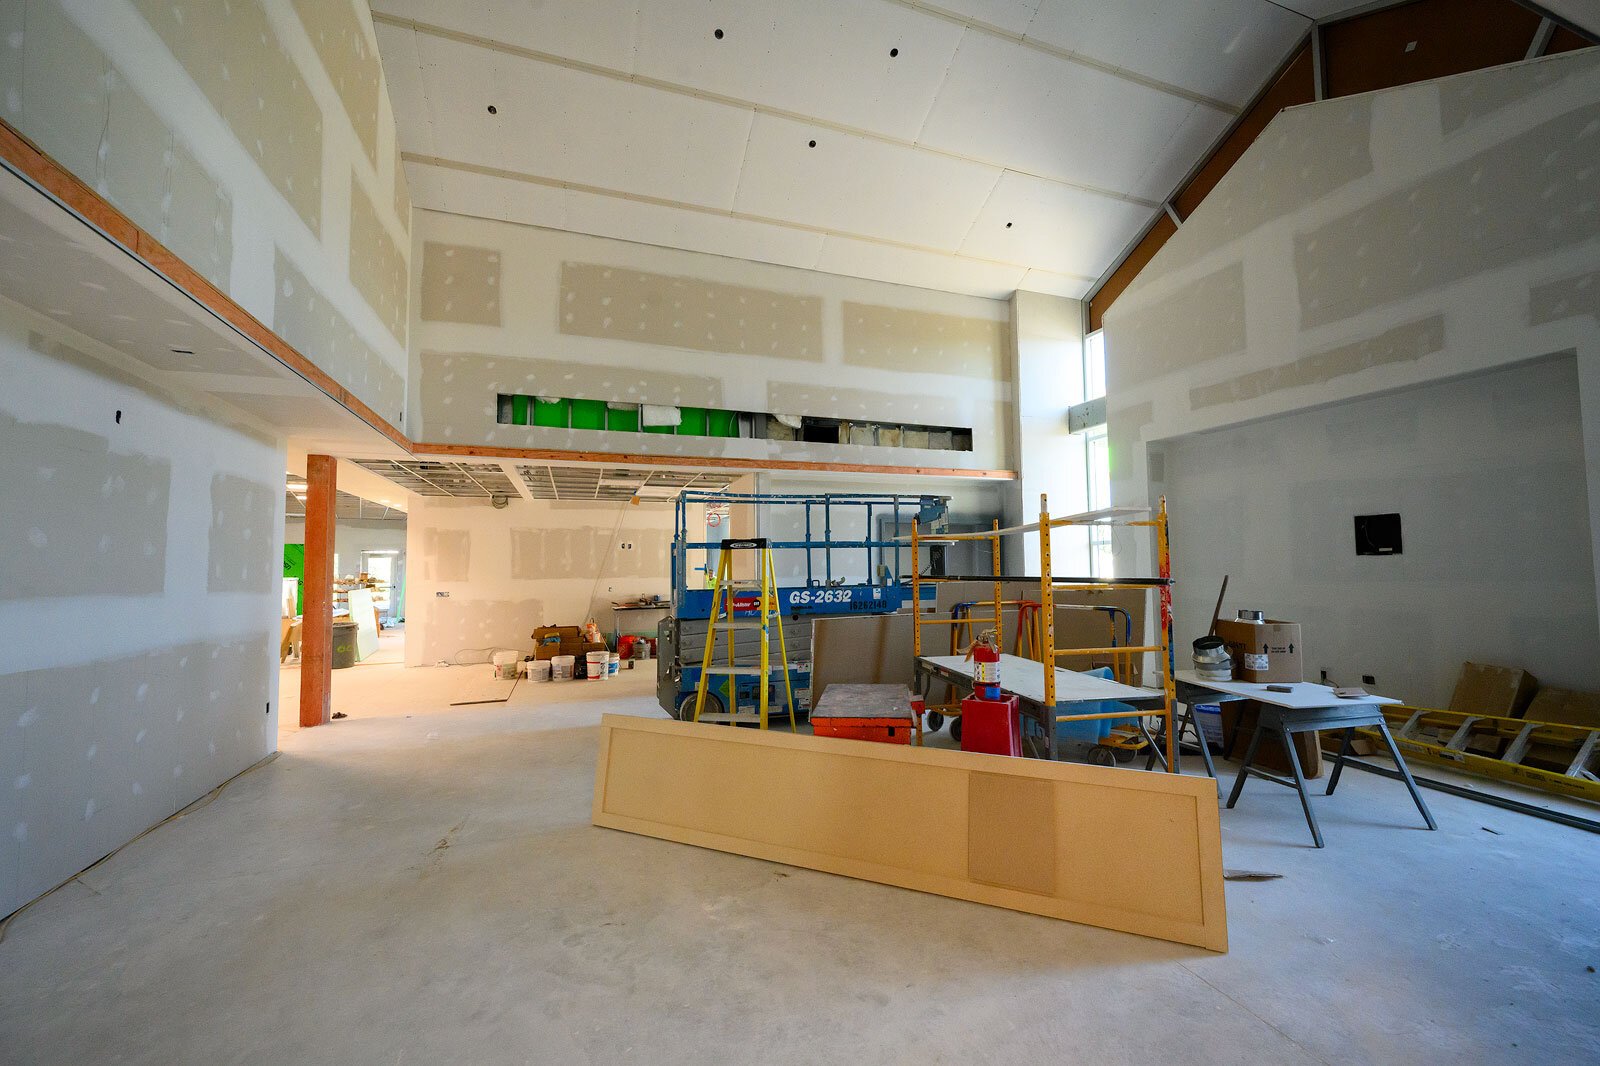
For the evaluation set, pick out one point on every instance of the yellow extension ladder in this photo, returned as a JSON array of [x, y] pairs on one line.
[[768, 611]]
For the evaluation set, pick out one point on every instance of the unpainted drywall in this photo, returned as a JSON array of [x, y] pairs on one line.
[[483, 578], [243, 514], [1453, 236], [351, 60], [377, 265], [1406, 343], [777, 344], [63, 91], [460, 284], [234, 56], [599, 300], [204, 123], [1522, 197], [1487, 475], [305, 318], [898, 337], [138, 599]]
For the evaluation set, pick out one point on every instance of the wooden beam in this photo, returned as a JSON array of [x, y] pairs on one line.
[[1119, 849], [316, 639]]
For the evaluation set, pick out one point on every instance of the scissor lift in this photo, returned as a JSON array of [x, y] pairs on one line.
[[829, 588]]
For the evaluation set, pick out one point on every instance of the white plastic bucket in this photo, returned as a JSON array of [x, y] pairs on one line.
[[539, 670], [561, 667], [597, 661], [1208, 717], [613, 664], [505, 664]]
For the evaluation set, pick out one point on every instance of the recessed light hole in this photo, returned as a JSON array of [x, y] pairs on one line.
[[893, 52], [717, 34], [811, 144]]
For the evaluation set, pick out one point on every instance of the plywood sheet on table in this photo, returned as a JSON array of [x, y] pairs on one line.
[[1119, 849]]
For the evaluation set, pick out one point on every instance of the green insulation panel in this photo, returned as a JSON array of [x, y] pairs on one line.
[[588, 414], [521, 410], [623, 421], [550, 413], [692, 422], [722, 423]]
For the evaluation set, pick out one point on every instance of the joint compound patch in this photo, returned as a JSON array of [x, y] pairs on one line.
[[243, 516], [680, 312], [898, 338], [460, 284], [83, 520]]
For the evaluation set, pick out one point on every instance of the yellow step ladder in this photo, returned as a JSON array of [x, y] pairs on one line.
[[769, 611]]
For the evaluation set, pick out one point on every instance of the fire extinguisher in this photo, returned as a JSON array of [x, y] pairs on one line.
[[985, 656]]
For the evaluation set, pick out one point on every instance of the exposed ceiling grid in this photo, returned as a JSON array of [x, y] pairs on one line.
[[1067, 119], [615, 484], [462, 480]]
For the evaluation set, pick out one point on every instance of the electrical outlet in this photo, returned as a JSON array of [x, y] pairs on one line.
[[1324, 676], [442, 595], [1368, 679], [626, 546]]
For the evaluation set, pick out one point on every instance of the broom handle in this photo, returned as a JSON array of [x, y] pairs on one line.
[[1218, 612]]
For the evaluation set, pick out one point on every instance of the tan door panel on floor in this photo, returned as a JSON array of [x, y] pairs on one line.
[[1120, 849]]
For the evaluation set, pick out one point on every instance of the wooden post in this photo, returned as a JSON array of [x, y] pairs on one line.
[[316, 633]]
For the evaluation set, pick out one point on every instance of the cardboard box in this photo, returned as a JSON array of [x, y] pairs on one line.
[[1497, 691], [550, 641], [1563, 706], [1264, 651], [1270, 755]]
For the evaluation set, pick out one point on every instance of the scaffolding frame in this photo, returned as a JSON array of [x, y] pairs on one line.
[[1122, 656]]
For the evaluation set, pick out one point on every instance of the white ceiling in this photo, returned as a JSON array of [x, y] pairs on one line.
[[1068, 119]]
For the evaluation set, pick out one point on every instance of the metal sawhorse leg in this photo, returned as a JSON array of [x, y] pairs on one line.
[[1288, 723]]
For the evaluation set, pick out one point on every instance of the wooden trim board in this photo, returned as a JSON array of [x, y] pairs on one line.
[[1119, 849]]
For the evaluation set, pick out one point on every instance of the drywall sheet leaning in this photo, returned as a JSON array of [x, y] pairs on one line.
[[1119, 849]]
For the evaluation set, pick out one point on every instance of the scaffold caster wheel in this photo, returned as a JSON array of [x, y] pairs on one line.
[[933, 721], [955, 729], [1100, 755]]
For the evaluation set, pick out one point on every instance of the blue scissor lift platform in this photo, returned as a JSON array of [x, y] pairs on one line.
[[682, 633]]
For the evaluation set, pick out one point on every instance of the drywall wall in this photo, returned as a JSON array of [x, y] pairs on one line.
[[1486, 473], [254, 139], [503, 308], [482, 578], [1368, 244], [138, 596]]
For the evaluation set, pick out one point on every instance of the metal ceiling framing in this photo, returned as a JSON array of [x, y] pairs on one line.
[[613, 483], [348, 507], [461, 480]]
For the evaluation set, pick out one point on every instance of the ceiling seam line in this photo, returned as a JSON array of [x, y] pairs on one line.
[[738, 103], [658, 201], [1166, 88]]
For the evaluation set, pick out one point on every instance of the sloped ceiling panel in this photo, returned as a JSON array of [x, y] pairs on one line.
[[934, 123]]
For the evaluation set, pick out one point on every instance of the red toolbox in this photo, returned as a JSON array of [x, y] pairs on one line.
[[991, 726], [883, 730]]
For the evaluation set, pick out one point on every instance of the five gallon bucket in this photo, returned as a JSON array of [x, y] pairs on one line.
[[1208, 718], [598, 663], [561, 667], [344, 644]]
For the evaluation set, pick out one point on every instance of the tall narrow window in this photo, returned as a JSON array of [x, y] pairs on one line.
[[1097, 456]]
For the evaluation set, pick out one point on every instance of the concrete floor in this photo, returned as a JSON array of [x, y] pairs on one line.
[[420, 883]]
